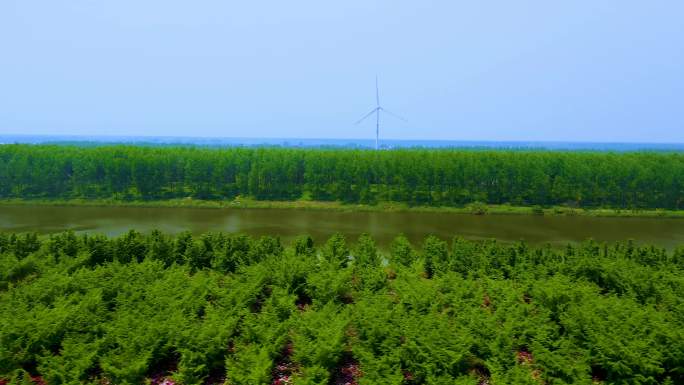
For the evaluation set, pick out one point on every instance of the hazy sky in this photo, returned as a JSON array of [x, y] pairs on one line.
[[580, 70]]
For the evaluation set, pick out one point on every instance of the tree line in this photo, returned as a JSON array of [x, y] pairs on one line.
[[412, 176], [231, 309]]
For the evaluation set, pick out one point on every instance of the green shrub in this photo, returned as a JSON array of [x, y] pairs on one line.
[[81, 309]]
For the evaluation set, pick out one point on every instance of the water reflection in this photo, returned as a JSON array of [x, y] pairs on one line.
[[321, 224]]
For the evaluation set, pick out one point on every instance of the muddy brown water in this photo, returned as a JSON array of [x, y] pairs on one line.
[[383, 226]]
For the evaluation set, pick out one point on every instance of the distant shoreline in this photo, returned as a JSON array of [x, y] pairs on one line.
[[357, 143], [248, 203]]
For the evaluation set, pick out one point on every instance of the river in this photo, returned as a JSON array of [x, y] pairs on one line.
[[384, 226]]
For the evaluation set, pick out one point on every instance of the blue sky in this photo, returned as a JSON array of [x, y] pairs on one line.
[[581, 70]]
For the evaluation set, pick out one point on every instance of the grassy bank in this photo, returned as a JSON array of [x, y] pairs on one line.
[[248, 203]]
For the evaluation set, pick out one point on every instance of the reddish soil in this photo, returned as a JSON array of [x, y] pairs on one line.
[[524, 357], [347, 373], [482, 373], [284, 370], [486, 302], [161, 381], [161, 375], [303, 302], [408, 376]]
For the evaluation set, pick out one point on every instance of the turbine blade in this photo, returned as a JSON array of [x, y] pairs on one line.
[[377, 92], [367, 115], [394, 115]]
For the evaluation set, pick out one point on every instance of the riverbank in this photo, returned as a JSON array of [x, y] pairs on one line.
[[248, 203]]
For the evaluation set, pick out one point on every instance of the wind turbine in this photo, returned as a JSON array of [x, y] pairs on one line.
[[377, 111]]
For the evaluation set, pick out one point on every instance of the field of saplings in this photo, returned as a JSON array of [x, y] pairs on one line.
[[230, 309]]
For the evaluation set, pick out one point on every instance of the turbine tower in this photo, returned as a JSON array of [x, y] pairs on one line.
[[377, 111]]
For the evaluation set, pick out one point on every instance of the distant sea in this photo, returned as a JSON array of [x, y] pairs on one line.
[[334, 143]]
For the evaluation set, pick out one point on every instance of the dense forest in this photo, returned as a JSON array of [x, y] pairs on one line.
[[412, 176], [230, 309]]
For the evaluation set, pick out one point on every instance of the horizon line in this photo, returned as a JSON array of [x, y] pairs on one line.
[[144, 136]]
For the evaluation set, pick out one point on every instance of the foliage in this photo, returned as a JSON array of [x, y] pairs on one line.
[[221, 308], [457, 178]]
